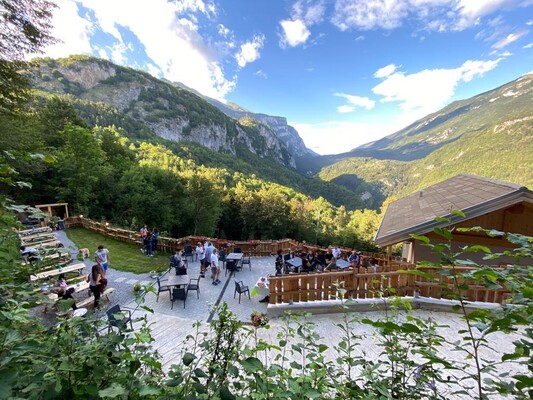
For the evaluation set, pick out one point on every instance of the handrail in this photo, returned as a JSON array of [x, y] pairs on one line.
[[167, 244], [322, 286]]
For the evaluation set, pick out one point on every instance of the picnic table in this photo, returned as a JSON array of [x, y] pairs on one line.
[[39, 237], [77, 267], [47, 244], [33, 231], [55, 258]]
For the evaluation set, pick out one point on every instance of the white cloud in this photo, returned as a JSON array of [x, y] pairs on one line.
[[294, 33], [167, 31], [333, 137], [305, 13], [261, 73], [249, 51], [369, 14], [385, 71], [353, 102], [435, 15], [528, 46], [71, 29], [424, 92], [510, 38]]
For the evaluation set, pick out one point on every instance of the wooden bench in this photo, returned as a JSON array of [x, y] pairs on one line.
[[86, 302], [41, 237], [77, 267], [33, 231]]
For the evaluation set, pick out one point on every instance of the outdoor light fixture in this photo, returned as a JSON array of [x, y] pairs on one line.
[[81, 215]]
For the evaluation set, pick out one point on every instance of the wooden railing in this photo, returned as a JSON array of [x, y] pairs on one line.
[[166, 244], [386, 281]]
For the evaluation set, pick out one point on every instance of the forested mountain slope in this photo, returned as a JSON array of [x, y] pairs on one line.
[[170, 111], [153, 110], [489, 135]]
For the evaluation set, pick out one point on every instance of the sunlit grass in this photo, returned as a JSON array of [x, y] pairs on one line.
[[123, 256]]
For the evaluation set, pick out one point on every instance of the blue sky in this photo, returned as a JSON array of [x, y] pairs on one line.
[[343, 72]]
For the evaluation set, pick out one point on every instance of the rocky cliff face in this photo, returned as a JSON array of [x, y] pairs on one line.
[[285, 132], [169, 111]]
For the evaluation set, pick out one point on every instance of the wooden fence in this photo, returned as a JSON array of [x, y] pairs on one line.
[[170, 245], [386, 281]]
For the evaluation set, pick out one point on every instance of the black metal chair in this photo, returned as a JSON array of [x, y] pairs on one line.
[[117, 318], [237, 250], [240, 288], [181, 271], [194, 284], [231, 267], [178, 294], [161, 288], [246, 261]]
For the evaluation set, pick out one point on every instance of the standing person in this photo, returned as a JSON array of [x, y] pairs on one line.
[[215, 269], [95, 284], [336, 252], [148, 244], [208, 249], [200, 254], [144, 232], [279, 263], [102, 259], [155, 239]]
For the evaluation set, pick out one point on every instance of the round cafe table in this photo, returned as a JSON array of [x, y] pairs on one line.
[[80, 312]]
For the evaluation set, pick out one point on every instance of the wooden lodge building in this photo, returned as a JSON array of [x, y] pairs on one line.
[[488, 203]]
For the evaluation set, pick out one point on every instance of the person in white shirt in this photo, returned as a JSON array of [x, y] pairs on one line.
[[102, 259], [336, 252], [215, 269], [208, 248], [200, 254]]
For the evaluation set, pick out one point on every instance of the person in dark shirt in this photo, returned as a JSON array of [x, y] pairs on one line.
[[68, 295]]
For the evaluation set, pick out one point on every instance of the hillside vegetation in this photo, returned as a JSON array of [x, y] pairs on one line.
[[489, 135]]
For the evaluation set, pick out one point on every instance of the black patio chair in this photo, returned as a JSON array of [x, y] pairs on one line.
[[161, 287], [246, 261], [194, 284], [240, 288], [118, 318], [181, 271], [231, 267], [178, 294], [237, 250]]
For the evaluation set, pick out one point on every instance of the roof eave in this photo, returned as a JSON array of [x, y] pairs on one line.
[[470, 212]]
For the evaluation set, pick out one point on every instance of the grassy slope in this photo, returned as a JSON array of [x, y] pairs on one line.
[[123, 256]]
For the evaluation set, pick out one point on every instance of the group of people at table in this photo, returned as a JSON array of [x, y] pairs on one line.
[[332, 260]]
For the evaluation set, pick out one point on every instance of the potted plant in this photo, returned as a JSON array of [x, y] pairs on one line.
[[259, 319], [137, 288]]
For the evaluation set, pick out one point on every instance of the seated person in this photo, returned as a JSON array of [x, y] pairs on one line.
[[321, 259], [305, 264], [312, 260], [332, 266], [354, 257], [222, 255], [31, 253], [279, 263], [329, 256], [61, 283], [68, 295], [374, 264]]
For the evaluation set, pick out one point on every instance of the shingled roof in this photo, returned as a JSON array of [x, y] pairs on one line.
[[474, 195]]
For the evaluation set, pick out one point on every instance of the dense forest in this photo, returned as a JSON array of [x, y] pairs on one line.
[[181, 188]]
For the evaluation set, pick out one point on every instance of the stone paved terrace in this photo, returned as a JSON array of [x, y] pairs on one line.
[[170, 327]]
